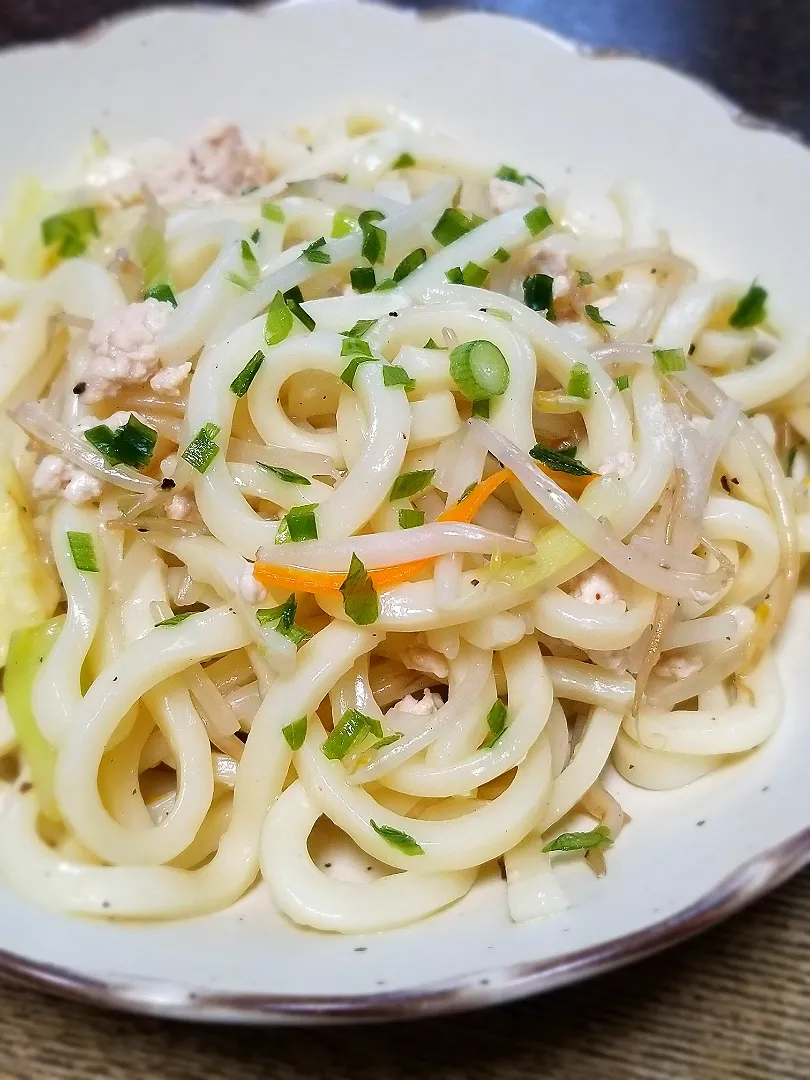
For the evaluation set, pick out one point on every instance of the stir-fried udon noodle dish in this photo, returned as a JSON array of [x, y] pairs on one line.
[[348, 484]]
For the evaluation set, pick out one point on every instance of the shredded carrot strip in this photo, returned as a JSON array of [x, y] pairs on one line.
[[319, 581]]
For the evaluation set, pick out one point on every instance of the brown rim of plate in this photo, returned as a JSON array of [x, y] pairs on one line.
[[490, 987]]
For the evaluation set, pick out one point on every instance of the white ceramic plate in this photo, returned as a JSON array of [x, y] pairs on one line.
[[734, 196]]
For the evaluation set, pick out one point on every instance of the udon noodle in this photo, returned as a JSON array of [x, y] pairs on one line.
[[350, 480]]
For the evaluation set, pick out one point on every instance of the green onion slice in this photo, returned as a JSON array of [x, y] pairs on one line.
[[286, 475], [410, 263], [584, 277], [559, 461], [501, 255], [131, 444], [579, 381], [202, 449], [404, 161], [360, 328], [538, 220], [751, 310], [538, 293], [349, 372], [479, 369], [303, 317], [295, 733], [431, 344], [241, 384], [581, 841], [273, 212], [353, 725], [298, 524], [393, 375], [282, 620], [622, 382], [496, 722], [360, 600], [352, 345], [83, 551], [175, 620], [279, 321], [343, 223], [397, 839], [70, 231], [668, 360], [410, 519], [395, 736], [454, 224], [161, 291], [506, 172], [411, 483], [596, 316], [313, 252], [363, 278], [480, 408], [374, 238]]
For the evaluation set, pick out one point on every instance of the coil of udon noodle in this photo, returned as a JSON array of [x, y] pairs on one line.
[[363, 506]]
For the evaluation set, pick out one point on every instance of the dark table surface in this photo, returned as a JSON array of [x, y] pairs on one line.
[[731, 1005]]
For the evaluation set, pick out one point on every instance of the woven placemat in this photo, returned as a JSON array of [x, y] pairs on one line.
[[730, 1005]]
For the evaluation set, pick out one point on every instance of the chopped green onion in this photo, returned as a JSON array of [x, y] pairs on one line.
[[395, 736], [559, 461], [474, 275], [241, 384], [202, 449], [431, 344], [255, 236], [622, 382], [579, 381], [70, 231], [360, 328], [83, 552], [295, 733], [374, 238], [750, 311], [352, 345], [584, 277], [410, 519], [298, 524], [393, 375], [252, 271], [506, 172], [580, 841], [386, 285], [343, 223], [496, 722], [131, 444], [469, 488], [303, 317], [313, 253], [349, 372], [538, 294], [175, 620], [596, 316], [455, 275], [668, 360], [454, 224], [479, 369], [294, 294], [282, 620], [410, 263], [279, 321], [359, 595], [411, 483], [161, 291], [363, 278], [480, 408], [400, 840], [149, 252], [353, 725], [501, 255], [791, 460], [287, 475], [538, 220], [273, 212], [404, 161], [499, 313]]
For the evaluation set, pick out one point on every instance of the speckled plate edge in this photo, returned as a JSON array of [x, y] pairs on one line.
[[495, 985]]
